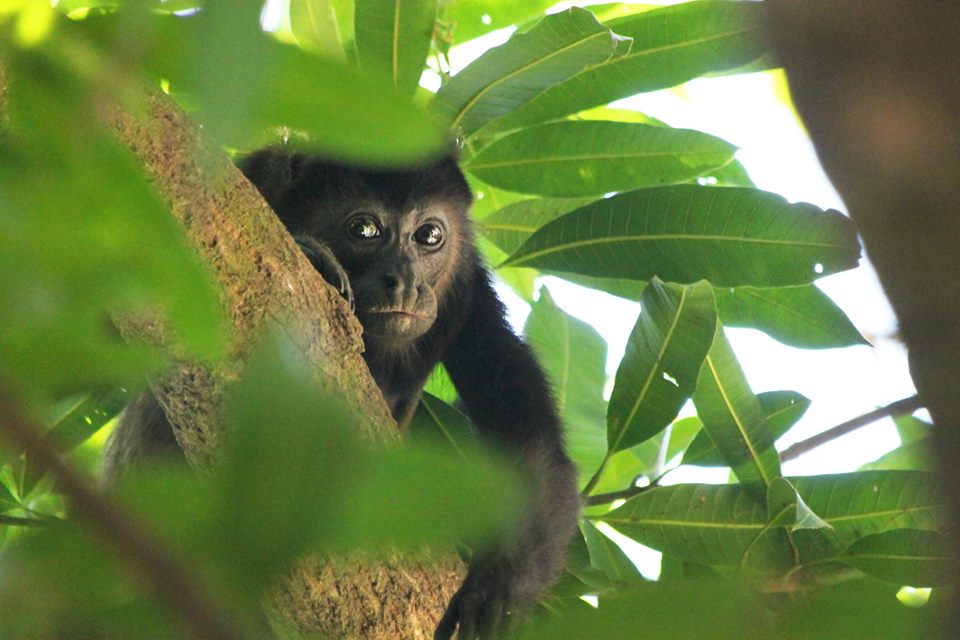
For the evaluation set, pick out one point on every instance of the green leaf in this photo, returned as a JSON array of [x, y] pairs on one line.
[[717, 524], [573, 355], [86, 418], [473, 18], [683, 610], [670, 45], [393, 38], [733, 419], [606, 555], [782, 410], [861, 609], [663, 356], [510, 226], [917, 455], [867, 502], [508, 76], [584, 158], [435, 421], [71, 256], [729, 236], [240, 80], [801, 316], [307, 480], [707, 524], [315, 27], [905, 557], [785, 508]]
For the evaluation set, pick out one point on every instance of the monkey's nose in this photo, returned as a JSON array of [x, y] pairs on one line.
[[390, 281]]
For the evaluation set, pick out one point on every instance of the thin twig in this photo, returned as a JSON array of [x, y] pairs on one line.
[[172, 582], [898, 408], [16, 521], [623, 494]]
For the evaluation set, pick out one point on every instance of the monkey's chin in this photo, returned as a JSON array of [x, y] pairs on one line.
[[394, 327]]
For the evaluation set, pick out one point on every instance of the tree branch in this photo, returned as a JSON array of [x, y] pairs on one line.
[[898, 408]]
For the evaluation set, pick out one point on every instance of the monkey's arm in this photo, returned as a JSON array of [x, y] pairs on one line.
[[506, 394]]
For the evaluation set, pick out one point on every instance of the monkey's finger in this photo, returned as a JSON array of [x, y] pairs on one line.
[[490, 618], [448, 623], [470, 606]]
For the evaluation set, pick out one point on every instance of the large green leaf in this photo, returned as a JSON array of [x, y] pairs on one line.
[[315, 25], [663, 357], [240, 78], [472, 18], [670, 45], [859, 504], [435, 421], [584, 158], [393, 38], [716, 524], [801, 316], [733, 419], [508, 76], [606, 555], [782, 410], [81, 239], [510, 226], [904, 556], [574, 356], [683, 233], [682, 610], [708, 524]]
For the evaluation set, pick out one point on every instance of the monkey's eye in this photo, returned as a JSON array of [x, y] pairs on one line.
[[430, 234], [364, 227]]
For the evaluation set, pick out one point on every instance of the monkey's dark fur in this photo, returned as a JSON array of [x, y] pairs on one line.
[[400, 245]]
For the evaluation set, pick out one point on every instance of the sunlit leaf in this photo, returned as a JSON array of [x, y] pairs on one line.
[[583, 158], [607, 556], [733, 419], [786, 508], [664, 354], [683, 233], [716, 524], [240, 78], [435, 421], [574, 357], [511, 225], [782, 410], [72, 257], [670, 45], [709, 524], [472, 18], [801, 316], [393, 38], [510, 75], [315, 26]]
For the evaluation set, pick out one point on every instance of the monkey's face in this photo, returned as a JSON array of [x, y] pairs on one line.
[[398, 261]]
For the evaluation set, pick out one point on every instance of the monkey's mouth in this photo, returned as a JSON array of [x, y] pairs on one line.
[[397, 312], [395, 323]]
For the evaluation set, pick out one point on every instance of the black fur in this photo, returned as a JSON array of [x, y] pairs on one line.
[[500, 383]]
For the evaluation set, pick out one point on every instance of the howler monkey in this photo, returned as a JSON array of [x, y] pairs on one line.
[[399, 245]]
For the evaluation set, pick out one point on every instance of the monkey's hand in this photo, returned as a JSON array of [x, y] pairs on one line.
[[485, 606], [327, 264]]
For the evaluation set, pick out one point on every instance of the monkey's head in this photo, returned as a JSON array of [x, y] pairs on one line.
[[403, 236]]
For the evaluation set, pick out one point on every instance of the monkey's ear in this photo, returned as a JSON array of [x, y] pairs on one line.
[[272, 171]]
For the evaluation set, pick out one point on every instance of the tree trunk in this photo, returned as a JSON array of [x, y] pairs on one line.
[[265, 280], [877, 87]]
